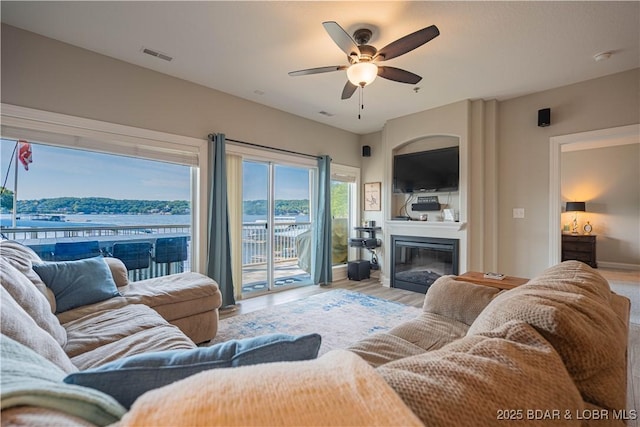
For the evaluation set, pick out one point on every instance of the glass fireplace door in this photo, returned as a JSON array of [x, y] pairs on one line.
[[420, 261]]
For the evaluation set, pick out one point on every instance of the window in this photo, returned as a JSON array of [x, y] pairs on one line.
[[344, 211], [75, 196], [340, 208], [62, 130]]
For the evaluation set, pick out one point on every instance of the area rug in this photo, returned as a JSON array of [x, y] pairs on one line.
[[340, 316]]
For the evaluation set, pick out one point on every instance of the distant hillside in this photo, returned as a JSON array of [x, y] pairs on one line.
[[282, 207], [102, 205]]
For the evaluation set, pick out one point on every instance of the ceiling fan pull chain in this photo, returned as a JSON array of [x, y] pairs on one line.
[[361, 101]]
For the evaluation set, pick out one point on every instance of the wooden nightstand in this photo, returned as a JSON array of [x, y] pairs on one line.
[[579, 247]]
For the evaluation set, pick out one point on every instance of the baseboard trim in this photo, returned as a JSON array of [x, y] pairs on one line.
[[339, 272], [618, 265], [385, 280]]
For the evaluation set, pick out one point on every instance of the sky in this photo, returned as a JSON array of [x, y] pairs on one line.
[[291, 183], [64, 172]]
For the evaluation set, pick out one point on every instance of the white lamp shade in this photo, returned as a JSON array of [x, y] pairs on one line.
[[362, 73]]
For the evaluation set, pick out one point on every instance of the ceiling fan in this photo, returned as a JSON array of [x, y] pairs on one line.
[[363, 58]]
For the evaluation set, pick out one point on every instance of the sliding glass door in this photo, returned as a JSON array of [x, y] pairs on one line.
[[276, 229], [256, 244]]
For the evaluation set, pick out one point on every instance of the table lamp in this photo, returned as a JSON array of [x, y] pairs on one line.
[[575, 207]]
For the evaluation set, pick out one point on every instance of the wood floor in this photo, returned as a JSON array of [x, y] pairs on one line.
[[369, 287], [373, 287], [633, 373]]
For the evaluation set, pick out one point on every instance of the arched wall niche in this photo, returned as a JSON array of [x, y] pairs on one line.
[[431, 142], [401, 203]]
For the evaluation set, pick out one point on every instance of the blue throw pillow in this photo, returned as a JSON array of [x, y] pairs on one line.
[[128, 378], [78, 283]]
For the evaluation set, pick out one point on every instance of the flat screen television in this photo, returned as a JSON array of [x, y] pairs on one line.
[[427, 171]]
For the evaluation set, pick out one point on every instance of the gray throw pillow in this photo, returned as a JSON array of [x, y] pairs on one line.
[[78, 283], [129, 377]]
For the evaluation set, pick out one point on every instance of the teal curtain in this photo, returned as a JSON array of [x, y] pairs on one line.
[[219, 255], [322, 262]]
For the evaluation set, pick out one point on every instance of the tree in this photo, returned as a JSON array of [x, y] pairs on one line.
[[339, 199], [6, 202], [101, 205]]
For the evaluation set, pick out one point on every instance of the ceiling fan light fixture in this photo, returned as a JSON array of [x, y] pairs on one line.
[[362, 73]]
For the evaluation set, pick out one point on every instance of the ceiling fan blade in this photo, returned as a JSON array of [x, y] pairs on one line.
[[398, 75], [341, 38], [317, 70], [348, 90], [407, 43]]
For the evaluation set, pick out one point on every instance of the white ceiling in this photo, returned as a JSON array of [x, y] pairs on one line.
[[485, 50]]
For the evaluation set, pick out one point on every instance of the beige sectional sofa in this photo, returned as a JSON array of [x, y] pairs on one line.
[[550, 351], [171, 312]]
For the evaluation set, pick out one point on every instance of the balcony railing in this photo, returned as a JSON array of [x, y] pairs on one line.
[[43, 241], [24, 234], [287, 239], [254, 240]]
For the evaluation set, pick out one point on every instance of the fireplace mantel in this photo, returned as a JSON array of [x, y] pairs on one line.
[[425, 226]]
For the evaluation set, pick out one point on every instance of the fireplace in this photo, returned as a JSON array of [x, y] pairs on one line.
[[416, 262]]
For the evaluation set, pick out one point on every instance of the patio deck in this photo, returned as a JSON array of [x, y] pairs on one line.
[[286, 273]]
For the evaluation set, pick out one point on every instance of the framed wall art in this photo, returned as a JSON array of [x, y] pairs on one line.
[[372, 196]]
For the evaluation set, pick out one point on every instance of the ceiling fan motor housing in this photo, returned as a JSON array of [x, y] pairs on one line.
[[367, 52], [362, 35]]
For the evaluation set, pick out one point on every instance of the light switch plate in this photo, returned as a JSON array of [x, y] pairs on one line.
[[518, 212]]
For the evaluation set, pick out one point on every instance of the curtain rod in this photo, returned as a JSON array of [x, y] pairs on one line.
[[272, 148]]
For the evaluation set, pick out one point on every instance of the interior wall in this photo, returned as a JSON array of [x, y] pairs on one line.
[[612, 199], [45, 74], [371, 170], [524, 159]]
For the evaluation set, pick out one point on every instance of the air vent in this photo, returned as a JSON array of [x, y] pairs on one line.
[[324, 113], [156, 54]]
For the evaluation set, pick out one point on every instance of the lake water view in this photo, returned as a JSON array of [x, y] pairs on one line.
[[151, 219]]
